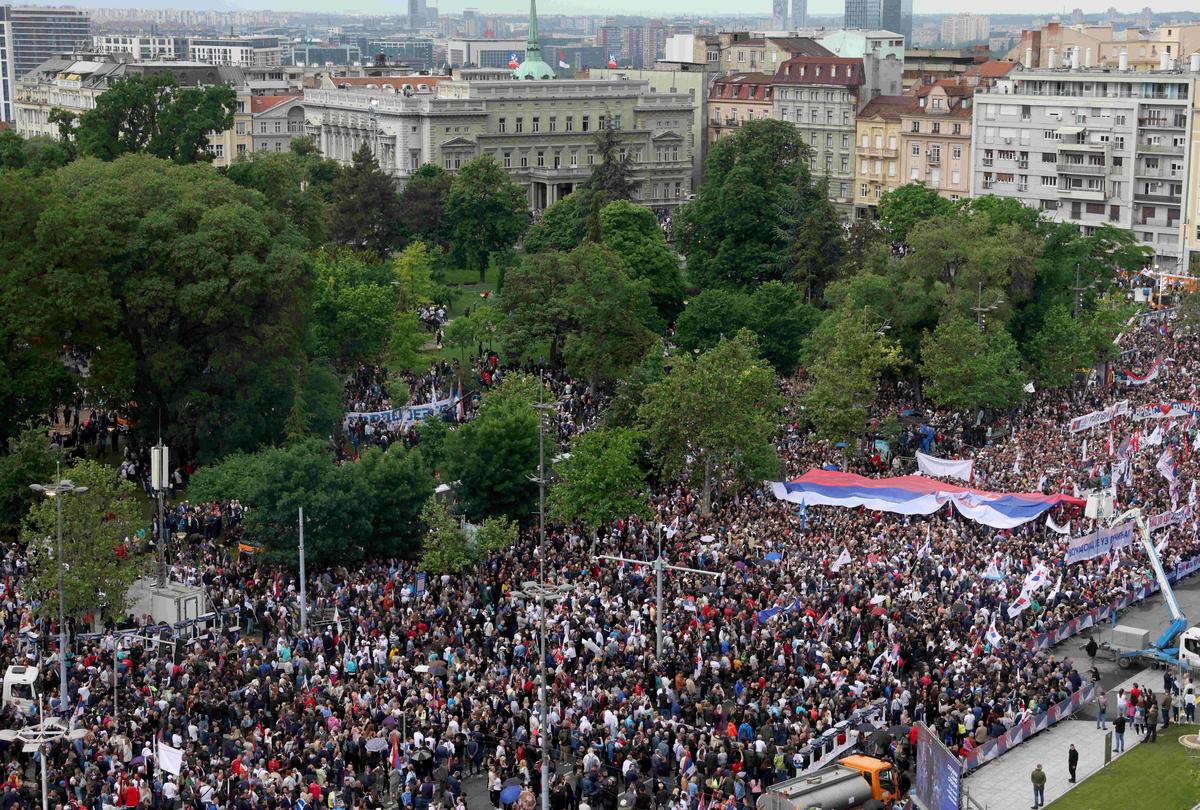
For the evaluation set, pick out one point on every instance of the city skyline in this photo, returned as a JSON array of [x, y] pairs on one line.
[[816, 8]]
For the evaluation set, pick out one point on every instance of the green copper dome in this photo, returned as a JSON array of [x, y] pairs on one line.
[[533, 67]]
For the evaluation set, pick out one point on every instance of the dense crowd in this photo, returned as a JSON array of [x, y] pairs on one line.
[[447, 676]]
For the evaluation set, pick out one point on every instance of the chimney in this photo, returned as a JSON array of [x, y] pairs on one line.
[[1164, 61], [1029, 57], [1123, 61], [1195, 62], [1053, 59], [1087, 58]]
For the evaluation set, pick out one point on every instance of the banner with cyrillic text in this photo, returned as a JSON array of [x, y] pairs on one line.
[[1098, 543]]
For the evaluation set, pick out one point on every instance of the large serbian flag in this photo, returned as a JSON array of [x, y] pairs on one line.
[[916, 495]]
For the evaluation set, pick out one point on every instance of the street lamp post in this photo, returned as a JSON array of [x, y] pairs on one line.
[[58, 491], [541, 592], [543, 409], [661, 566], [160, 474], [303, 592], [38, 737]]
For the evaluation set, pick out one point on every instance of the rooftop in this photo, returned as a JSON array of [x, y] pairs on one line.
[[887, 107]]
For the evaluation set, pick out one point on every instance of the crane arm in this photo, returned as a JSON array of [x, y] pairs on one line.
[[1179, 622]]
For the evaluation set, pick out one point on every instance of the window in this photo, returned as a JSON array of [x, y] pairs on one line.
[[828, 140], [1049, 182], [955, 176], [916, 126], [447, 163], [241, 149], [537, 124], [956, 152], [240, 128], [617, 120], [845, 141], [956, 129], [843, 190], [936, 127], [541, 158], [862, 190], [846, 165], [892, 142], [586, 123], [916, 150], [524, 161], [935, 154], [864, 140], [553, 124], [501, 125], [891, 168], [570, 123], [574, 159], [520, 125]]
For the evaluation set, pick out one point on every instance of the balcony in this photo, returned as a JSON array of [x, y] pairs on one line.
[[1177, 174], [1162, 123], [1065, 146], [1085, 194], [731, 122], [1022, 164], [1160, 148], [1157, 199], [935, 160], [875, 152], [1066, 167], [987, 162]]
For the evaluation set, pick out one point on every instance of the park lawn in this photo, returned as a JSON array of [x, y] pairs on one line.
[[1162, 775]]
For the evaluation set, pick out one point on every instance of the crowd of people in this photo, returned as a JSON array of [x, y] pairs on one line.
[[403, 687]]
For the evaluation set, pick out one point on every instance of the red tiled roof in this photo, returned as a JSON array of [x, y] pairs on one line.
[[260, 104], [802, 46], [887, 107], [743, 86], [821, 70], [992, 70]]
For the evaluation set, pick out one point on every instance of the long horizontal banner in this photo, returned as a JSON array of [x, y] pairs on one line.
[[399, 416], [1180, 515], [1103, 417], [1165, 410], [1099, 542]]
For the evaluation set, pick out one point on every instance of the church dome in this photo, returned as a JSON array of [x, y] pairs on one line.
[[533, 69]]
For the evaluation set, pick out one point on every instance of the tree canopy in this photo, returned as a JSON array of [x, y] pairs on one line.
[[485, 212], [366, 210]]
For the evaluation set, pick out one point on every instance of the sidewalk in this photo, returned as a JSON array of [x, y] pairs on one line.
[[1003, 784]]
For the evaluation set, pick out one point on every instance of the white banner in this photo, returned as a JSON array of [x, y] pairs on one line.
[[1180, 515], [944, 468], [1165, 410], [1103, 417], [1099, 543], [170, 759], [399, 416]]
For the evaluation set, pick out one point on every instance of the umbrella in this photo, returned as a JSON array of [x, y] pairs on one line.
[[133, 763], [865, 727], [707, 538], [878, 611], [421, 755], [376, 744], [773, 556], [510, 794], [437, 670], [513, 782], [899, 731]]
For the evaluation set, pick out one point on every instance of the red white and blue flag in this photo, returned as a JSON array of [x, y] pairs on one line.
[[612, 60], [562, 60], [394, 758], [513, 62]]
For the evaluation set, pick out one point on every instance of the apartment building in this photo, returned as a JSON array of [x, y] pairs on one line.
[[734, 100], [1091, 147], [820, 96], [39, 32], [141, 46], [8, 71], [542, 133], [238, 51], [276, 121], [739, 52], [937, 136], [877, 155], [962, 28]]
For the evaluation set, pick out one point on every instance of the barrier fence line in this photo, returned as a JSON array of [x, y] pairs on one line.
[[1020, 732]]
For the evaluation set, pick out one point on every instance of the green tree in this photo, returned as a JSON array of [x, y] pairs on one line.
[[818, 240], [445, 549], [404, 344], [964, 368], [495, 534], [97, 525], [153, 114], [535, 300], [611, 176], [622, 410], [191, 304], [632, 232], [756, 201], [600, 481], [39, 155], [782, 322], [563, 226], [609, 311], [492, 457], [397, 483], [353, 314], [902, 208], [714, 415], [423, 204], [30, 458], [366, 210], [485, 211], [853, 352], [292, 183], [1057, 349], [711, 316], [413, 269]]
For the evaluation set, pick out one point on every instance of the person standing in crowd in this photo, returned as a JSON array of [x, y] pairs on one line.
[[1072, 761], [1119, 733], [1102, 709]]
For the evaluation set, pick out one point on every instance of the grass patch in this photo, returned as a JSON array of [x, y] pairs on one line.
[[1163, 775]]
